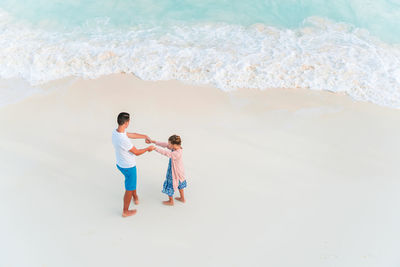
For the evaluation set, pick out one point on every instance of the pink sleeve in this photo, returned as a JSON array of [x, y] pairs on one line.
[[174, 155], [164, 152], [162, 144]]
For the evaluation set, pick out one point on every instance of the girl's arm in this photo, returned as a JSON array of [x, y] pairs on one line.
[[168, 153], [161, 144]]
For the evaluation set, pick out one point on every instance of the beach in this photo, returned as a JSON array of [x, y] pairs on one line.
[[276, 177]]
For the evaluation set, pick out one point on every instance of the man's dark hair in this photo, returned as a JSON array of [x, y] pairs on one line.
[[122, 118]]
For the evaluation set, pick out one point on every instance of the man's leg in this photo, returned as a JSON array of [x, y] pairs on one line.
[[127, 201], [135, 197]]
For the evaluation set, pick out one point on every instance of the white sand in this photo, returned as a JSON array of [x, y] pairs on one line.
[[275, 178]]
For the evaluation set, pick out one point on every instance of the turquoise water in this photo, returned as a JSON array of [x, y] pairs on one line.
[[348, 46], [380, 17]]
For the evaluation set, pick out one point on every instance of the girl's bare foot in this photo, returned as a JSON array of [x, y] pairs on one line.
[[128, 213], [181, 199], [136, 201], [168, 203]]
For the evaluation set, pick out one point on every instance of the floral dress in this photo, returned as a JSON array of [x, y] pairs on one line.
[[168, 187]]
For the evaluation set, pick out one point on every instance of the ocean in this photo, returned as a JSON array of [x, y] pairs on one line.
[[346, 46]]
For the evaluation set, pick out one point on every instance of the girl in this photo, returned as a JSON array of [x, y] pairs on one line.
[[175, 179]]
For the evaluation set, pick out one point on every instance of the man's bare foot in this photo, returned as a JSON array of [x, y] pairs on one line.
[[128, 213], [168, 203], [181, 199], [136, 201]]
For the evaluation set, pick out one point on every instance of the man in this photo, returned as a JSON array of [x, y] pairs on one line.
[[126, 159]]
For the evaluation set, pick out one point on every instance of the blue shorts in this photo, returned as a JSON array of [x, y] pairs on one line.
[[130, 177]]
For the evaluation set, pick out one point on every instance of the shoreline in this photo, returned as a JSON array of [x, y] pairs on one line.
[[280, 177], [67, 82]]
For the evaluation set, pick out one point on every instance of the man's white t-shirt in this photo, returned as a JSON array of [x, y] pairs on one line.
[[122, 145]]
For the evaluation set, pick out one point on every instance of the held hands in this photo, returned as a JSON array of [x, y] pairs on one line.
[[148, 140], [150, 148]]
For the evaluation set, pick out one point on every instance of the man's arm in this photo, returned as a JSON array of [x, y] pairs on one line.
[[139, 152], [137, 136]]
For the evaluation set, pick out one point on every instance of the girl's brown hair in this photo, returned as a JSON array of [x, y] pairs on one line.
[[175, 139]]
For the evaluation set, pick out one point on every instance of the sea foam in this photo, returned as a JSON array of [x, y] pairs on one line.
[[319, 55]]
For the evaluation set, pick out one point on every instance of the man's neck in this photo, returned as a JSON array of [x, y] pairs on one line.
[[121, 129]]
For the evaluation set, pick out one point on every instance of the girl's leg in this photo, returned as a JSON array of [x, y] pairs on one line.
[[182, 197], [135, 198], [169, 202]]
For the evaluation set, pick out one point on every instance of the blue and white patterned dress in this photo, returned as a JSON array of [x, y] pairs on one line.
[[168, 187]]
